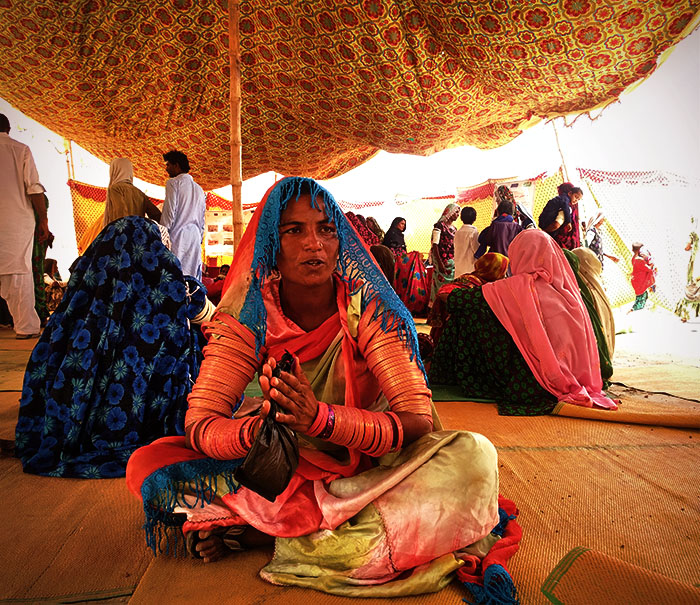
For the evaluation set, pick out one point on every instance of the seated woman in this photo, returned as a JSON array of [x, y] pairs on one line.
[[375, 228], [606, 367], [411, 277], [385, 260], [112, 370], [349, 522], [442, 249], [394, 237], [525, 341], [490, 267], [591, 272], [359, 222], [54, 287]]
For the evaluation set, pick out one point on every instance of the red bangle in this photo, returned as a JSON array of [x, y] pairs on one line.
[[399, 434], [319, 423]]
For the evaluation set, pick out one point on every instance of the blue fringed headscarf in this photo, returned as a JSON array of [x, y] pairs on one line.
[[356, 265]]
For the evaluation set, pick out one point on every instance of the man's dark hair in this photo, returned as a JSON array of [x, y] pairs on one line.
[[468, 215], [4, 123], [505, 207], [179, 158]]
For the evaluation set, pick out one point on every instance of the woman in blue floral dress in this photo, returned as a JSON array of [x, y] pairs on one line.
[[112, 370]]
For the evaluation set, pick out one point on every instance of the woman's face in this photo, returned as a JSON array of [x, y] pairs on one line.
[[308, 244], [575, 197], [401, 226]]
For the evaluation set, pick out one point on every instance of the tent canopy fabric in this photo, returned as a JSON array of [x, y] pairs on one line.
[[325, 85]]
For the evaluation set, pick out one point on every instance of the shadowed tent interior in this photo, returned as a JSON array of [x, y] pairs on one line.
[[324, 85], [625, 491]]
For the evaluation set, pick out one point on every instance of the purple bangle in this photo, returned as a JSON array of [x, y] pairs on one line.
[[330, 423]]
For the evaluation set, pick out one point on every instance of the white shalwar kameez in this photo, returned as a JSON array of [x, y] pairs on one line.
[[18, 179], [183, 216]]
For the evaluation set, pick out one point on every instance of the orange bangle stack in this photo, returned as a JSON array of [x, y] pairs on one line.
[[374, 433], [388, 358], [228, 367]]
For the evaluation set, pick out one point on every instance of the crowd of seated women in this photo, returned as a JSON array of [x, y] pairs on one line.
[[527, 341]]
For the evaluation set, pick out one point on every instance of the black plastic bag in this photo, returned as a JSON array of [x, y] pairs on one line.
[[271, 461]]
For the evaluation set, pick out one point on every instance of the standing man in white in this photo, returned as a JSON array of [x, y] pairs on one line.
[[183, 213], [466, 242], [20, 194]]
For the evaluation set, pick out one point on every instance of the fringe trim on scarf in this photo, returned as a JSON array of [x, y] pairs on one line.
[[496, 587], [503, 517], [165, 489]]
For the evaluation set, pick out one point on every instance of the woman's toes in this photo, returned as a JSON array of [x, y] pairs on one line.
[[210, 547]]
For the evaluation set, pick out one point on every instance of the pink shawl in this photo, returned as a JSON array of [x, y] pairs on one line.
[[542, 309]]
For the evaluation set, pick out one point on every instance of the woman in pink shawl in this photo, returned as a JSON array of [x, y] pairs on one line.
[[542, 309], [526, 341]]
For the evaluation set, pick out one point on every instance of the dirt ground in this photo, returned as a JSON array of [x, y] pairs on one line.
[[655, 337]]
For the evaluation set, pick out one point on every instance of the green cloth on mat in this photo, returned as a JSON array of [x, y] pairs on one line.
[[478, 355], [450, 392]]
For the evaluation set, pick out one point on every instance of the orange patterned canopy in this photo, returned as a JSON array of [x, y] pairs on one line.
[[325, 84]]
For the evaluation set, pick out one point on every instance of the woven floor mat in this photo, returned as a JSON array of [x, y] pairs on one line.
[[554, 431], [8, 342], [9, 407], [12, 366], [68, 539], [615, 582], [627, 490], [636, 407], [635, 503], [235, 579]]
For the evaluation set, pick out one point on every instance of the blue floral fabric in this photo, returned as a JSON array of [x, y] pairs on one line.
[[114, 366]]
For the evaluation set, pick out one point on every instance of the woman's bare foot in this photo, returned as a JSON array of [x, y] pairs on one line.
[[210, 547]]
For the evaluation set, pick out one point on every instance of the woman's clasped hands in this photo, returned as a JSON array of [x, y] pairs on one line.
[[292, 392]]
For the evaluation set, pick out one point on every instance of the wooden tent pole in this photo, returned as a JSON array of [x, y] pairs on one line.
[[563, 163], [68, 149], [235, 119]]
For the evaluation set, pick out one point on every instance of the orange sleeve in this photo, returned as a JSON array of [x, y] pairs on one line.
[[229, 366], [388, 358]]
